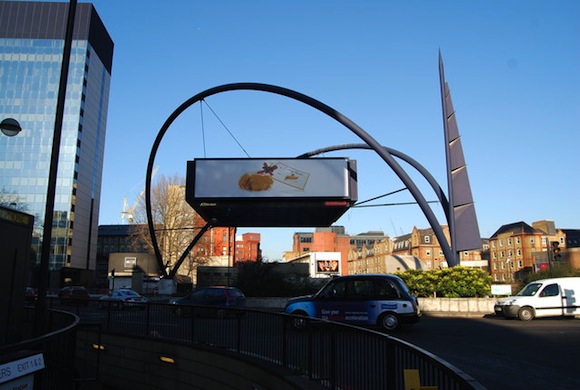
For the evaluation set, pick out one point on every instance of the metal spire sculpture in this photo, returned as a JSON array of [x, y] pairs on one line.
[[463, 227]]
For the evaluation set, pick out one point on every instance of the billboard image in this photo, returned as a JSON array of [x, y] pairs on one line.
[[251, 178], [271, 192]]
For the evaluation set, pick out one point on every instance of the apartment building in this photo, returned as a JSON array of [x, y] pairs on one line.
[[518, 248]]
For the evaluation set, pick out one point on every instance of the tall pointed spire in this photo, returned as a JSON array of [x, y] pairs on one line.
[[463, 227]]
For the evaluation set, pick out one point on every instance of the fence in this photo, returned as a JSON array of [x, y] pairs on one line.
[[57, 347], [335, 356]]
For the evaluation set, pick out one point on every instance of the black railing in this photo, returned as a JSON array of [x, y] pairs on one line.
[[337, 356], [57, 347]]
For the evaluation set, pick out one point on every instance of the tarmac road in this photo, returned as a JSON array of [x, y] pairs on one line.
[[504, 354]]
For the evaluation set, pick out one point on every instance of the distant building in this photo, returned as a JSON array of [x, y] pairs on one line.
[[320, 264], [214, 249], [374, 252], [31, 49], [423, 244], [114, 239], [378, 259], [331, 239], [248, 247], [518, 248], [572, 246]]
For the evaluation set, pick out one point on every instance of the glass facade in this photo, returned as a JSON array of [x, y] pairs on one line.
[[29, 79]]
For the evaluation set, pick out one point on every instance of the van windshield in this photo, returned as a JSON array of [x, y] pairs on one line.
[[530, 290]]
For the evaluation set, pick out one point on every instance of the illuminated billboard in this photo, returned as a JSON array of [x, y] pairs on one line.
[[271, 192]]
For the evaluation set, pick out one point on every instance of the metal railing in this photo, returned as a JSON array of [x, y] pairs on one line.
[[57, 347], [336, 356]]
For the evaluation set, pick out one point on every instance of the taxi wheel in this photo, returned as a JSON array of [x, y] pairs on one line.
[[298, 322], [526, 313], [389, 321]]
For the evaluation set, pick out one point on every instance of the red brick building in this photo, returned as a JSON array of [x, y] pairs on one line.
[[248, 248], [331, 239]]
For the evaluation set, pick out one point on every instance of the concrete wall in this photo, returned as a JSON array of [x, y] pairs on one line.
[[464, 307]]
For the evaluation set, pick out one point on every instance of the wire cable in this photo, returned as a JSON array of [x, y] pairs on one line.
[[225, 127]]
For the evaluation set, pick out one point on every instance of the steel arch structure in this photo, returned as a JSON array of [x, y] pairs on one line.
[[329, 111], [411, 161]]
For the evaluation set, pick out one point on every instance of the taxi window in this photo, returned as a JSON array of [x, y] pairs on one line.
[[387, 289], [334, 290], [363, 289]]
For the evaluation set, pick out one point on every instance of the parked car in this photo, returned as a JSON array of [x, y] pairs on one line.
[[123, 298], [373, 300], [74, 295], [542, 298], [211, 301]]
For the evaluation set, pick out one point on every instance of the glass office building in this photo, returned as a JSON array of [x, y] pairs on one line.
[[31, 50]]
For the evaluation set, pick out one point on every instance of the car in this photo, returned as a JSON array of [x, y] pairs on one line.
[[74, 295], [211, 301], [123, 298], [381, 300]]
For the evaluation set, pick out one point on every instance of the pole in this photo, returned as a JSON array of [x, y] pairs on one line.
[[41, 307]]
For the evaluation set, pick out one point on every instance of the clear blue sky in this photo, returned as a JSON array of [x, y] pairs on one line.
[[513, 68]]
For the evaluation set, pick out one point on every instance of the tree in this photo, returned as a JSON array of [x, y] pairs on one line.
[[13, 201], [176, 224]]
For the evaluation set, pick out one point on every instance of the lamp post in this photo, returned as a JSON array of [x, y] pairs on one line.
[[10, 127]]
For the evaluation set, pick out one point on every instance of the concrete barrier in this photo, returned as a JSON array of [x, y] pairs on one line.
[[462, 307], [457, 307]]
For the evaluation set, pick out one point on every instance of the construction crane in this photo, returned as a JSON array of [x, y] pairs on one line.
[[128, 212]]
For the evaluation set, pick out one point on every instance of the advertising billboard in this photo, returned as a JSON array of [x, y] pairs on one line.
[[325, 264], [271, 191]]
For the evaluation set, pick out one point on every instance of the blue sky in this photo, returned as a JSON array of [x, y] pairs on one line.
[[513, 68]]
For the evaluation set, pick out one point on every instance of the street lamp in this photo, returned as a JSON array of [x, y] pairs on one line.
[[10, 127]]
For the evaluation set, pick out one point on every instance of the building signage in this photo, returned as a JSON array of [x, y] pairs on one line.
[[20, 368], [501, 289]]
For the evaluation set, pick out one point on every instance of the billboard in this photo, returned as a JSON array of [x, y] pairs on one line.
[[271, 191], [325, 263]]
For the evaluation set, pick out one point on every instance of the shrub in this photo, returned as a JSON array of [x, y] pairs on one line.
[[557, 271], [455, 282]]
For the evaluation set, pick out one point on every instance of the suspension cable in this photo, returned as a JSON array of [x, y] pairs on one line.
[[202, 128], [225, 127]]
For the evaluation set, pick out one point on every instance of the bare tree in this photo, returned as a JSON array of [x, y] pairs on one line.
[[176, 224], [13, 201]]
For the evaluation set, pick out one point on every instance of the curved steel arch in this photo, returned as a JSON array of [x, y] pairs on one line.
[[363, 135], [411, 161]]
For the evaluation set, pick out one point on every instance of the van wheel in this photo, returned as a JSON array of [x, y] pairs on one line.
[[389, 321], [526, 313]]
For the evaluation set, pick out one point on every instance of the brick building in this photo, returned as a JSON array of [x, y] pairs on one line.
[[248, 248], [518, 248]]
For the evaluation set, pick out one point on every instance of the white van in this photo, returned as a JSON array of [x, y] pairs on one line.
[[543, 298]]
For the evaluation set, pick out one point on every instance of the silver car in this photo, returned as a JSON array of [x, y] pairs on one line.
[[123, 298]]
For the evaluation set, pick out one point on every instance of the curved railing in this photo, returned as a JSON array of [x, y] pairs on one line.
[[57, 347], [336, 356]]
